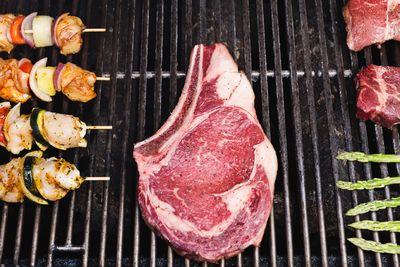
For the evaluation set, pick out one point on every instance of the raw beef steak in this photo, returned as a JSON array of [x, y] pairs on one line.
[[378, 95], [371, 22], [207, 176]]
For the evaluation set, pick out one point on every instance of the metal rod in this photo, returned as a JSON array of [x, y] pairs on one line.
[[332, 124], [141, 115], [157, 100], [99, 67], [126, 131], [384, 167], [111, 118], [3, 229], [282, 131], [347, 127], [17, 249], [262, 51], [298, 131]]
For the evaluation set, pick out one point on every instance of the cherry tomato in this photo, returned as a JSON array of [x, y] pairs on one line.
[[26, 67], [15, 30]]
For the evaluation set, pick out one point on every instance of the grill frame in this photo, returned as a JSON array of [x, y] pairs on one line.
[[294, 53]]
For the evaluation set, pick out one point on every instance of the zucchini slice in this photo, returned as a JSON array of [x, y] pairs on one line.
[[36, 121], [28, 184]]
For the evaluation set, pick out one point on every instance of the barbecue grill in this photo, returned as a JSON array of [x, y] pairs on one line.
[[295, 54]]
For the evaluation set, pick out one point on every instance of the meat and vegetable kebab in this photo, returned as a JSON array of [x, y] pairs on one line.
[[19, 77], [39, 179], [41, 31], [62, 131]]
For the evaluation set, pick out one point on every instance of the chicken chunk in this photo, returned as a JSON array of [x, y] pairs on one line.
[[5, 23], [77, 84], [44, 174], [11, 86], [69, 34], [20, 135], [64, 131], [9, 181]]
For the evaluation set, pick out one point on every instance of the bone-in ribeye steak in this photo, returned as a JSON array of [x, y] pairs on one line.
[[378, 95], [207, 176], [371, 22]]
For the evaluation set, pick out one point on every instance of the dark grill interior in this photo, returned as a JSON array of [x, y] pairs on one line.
[[301, 69]]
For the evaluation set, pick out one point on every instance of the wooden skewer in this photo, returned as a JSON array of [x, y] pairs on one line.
[[99, 127], [97, 178], [103, 78], [94, 30], [85, 30]]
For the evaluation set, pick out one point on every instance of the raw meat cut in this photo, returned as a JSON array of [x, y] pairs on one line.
[[207, 176], [378, 95], [371, 22]]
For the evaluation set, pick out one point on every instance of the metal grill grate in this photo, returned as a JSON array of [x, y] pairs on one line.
[[295, 54]]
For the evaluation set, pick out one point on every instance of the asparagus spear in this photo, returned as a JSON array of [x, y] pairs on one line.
[[375, 246], [374, 206], [362, 157], [392, 226], [368, 184]]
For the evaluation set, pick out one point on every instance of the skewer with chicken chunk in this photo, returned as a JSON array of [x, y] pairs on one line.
[[43, 128], [19, 78], [42, 31], [38, 179]]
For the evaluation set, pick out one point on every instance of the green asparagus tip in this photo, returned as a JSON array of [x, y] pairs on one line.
[[375, 246], [352, 156], [342, 184]]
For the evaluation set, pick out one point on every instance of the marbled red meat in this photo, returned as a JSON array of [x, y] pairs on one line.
[[371, 22], [207, 176], [378, 95]]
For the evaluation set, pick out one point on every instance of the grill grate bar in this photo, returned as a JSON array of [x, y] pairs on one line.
[[367, 169], [188, 33], [265, 113], [247, 68], [17, 249], [157, 100], [84, 57], [297, 128], [128, 85], [345, 111], [384, 168], [141, 114], [314, 132], [331, 123], [282, 130], [4, 216], [232, 43], [110, 119], [96, 111], [349, 146], [174, 76]]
